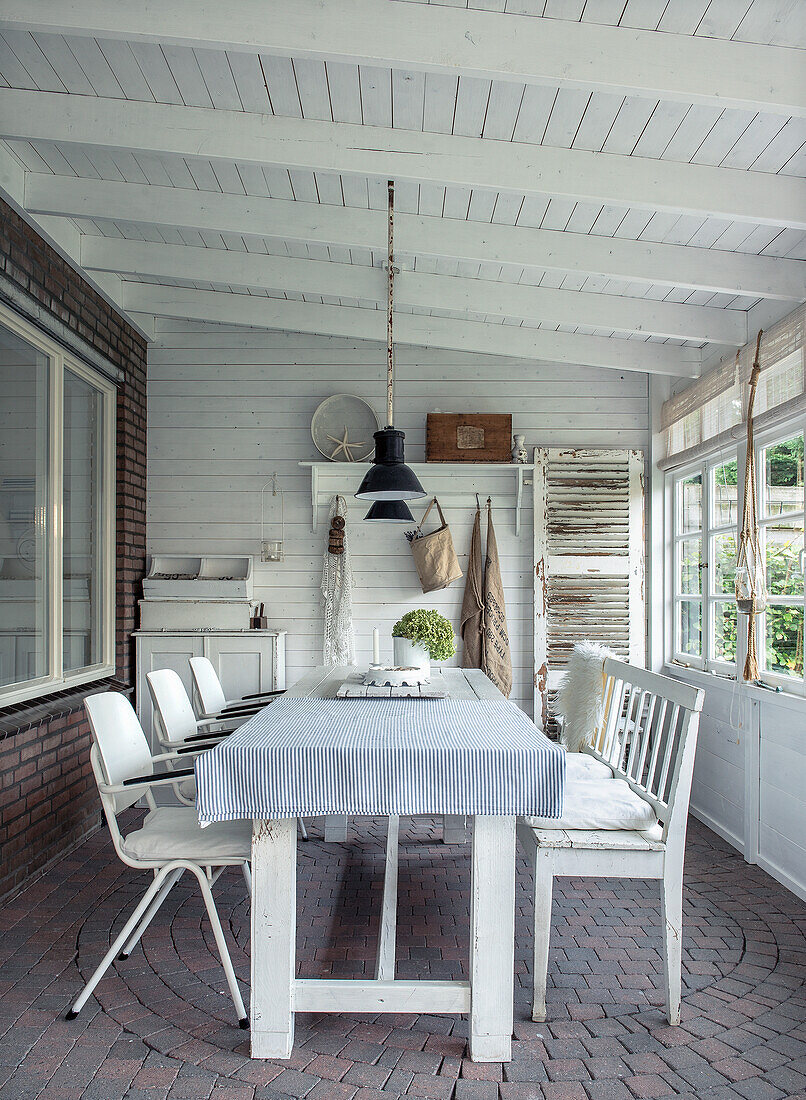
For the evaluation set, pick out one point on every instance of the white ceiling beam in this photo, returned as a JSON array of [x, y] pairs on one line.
[[440, 39], [165, 129], [60, 234], [663, 264], [412, 288], [441, 332]]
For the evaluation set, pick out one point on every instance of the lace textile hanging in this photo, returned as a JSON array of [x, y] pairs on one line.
[[337, 597]]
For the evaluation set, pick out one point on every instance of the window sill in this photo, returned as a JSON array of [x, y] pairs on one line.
[[18, 717], [789, 699]]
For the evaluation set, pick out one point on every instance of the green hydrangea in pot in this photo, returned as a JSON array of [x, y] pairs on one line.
[[422, 636]]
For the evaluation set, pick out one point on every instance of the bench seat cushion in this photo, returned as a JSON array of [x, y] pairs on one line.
[[581, 765], [599, 804]]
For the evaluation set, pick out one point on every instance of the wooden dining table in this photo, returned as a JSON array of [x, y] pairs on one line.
[[312, 754]]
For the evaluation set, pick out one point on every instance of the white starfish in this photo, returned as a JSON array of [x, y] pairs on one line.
[[345, 445]]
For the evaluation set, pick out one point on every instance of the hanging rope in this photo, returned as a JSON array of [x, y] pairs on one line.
[[390, 301], [749, 584]]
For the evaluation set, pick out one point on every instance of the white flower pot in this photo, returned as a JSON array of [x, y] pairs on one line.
[[409, 654]]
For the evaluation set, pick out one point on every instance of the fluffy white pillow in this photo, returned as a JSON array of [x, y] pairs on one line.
[[579, 697]]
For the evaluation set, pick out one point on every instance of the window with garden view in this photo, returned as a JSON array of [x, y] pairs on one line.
[[781, 511], [705, 534], [57, 501]]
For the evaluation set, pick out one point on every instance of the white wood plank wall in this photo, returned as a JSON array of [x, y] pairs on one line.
[[228, 407], [748, 776]]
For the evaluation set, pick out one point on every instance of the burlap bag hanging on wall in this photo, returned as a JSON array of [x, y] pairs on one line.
[[434, 556]]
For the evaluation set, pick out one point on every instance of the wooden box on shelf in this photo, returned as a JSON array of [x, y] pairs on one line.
[[471, 437]]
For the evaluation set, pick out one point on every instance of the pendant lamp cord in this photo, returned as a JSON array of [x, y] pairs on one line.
[[390, 352]]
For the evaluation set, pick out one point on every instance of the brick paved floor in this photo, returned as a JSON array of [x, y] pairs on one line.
[[162, 1027]]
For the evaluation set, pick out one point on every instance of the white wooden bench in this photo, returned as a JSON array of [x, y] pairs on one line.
[[647, 738]]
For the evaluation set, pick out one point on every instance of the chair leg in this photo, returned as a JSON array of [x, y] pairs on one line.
[[302, 829], [672, 917], [223, 950], [151, 912], [124, 935], [247, 877], [544, 881]]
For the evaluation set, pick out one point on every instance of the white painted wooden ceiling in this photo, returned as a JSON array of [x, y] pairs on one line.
[[768, 22], [99, 197]]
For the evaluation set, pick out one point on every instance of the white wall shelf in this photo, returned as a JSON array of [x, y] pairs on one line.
[[438, 478]]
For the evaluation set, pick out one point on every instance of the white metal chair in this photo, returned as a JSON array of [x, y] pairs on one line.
[[212, 701], [177, 727], [648, 738], [169, 841], [213, 704], [174, 721]]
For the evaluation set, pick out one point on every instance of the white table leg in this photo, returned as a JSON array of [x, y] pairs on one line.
[[387, 933], [492, 939], [454, 829], [274, 924], [336, 828]]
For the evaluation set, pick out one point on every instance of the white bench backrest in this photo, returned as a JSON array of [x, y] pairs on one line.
[[648, 736]]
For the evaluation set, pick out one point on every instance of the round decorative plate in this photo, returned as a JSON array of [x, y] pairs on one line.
[[342, 428]]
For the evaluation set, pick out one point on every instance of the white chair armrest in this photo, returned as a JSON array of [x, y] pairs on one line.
[[213, 722], [146, 781], [181, 752]]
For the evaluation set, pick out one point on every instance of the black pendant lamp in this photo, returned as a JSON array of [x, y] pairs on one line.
[[389, 479], [390, 511]]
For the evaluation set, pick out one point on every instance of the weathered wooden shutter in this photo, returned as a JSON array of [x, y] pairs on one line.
[[589, 559]]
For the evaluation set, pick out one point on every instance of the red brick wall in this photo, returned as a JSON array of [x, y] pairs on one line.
[[48, 797]]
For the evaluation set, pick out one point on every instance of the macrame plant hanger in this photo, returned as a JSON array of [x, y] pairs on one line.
[[750, 584]]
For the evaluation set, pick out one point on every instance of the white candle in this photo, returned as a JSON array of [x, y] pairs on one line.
[[376, 646]]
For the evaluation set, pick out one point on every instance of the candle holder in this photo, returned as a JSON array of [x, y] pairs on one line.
[[271, 549], [395, 676]]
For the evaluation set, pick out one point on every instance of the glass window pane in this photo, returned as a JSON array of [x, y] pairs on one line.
[[784, 641], [724, 644], [783, 477], [23, 510], [82, 523], [724, 494], [689, 627], [689, 562], [689, 504], [784, 550], [723, 563]]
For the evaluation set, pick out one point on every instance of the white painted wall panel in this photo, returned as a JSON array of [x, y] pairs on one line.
[[782, 792], [718, 790], [750, 775], [229, 407]]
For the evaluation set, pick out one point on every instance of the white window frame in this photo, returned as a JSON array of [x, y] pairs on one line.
[[708, 598], [61, 359], [764, 440]]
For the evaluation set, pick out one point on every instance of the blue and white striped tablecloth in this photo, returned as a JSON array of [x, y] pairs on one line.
[[308, 757]]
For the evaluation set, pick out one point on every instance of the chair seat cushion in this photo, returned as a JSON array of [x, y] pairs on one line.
[[599, 804], [188, 789], [581, 765], [173, 832]]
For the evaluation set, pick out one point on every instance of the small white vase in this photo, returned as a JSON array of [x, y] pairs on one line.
[[409, 654]]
